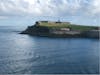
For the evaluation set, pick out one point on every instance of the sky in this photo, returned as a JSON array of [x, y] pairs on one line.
[[26, 12]]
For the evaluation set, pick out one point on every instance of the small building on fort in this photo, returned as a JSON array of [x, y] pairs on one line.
[[51, 22]]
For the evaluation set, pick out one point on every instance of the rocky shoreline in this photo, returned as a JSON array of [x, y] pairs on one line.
[[43, 31]]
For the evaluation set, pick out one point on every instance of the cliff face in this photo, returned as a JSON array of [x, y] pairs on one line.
[[44, 31], [91, 34], [38, 30]]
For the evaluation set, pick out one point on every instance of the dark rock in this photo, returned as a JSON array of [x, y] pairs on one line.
[[37, 30]]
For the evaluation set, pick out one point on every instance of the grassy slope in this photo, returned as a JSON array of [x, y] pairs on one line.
[[73, 27]]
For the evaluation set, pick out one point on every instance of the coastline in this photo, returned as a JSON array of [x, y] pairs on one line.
[[37, 30]]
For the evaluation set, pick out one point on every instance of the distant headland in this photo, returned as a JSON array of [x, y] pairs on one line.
[[62, 29]]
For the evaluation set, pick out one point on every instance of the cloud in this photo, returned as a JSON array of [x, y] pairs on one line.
[[95, 7], [49, 7], [56, 8], [3, 17]]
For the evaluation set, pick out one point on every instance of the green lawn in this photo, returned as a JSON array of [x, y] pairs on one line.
[[73, 27]]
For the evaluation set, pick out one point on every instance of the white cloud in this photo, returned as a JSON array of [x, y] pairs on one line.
[[95, 8], [81, 9], [49, 7], [3, 17]]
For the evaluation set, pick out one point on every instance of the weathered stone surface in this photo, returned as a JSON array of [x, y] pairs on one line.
[[37, 30]]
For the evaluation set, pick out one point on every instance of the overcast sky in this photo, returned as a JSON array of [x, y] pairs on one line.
[[25, 12]]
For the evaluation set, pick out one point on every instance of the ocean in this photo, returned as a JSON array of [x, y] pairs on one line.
[[25, 54]]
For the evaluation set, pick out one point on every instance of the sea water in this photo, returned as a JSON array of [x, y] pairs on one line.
[[25, 54]]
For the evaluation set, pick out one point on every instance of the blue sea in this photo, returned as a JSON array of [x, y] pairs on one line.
[[25, 54]]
